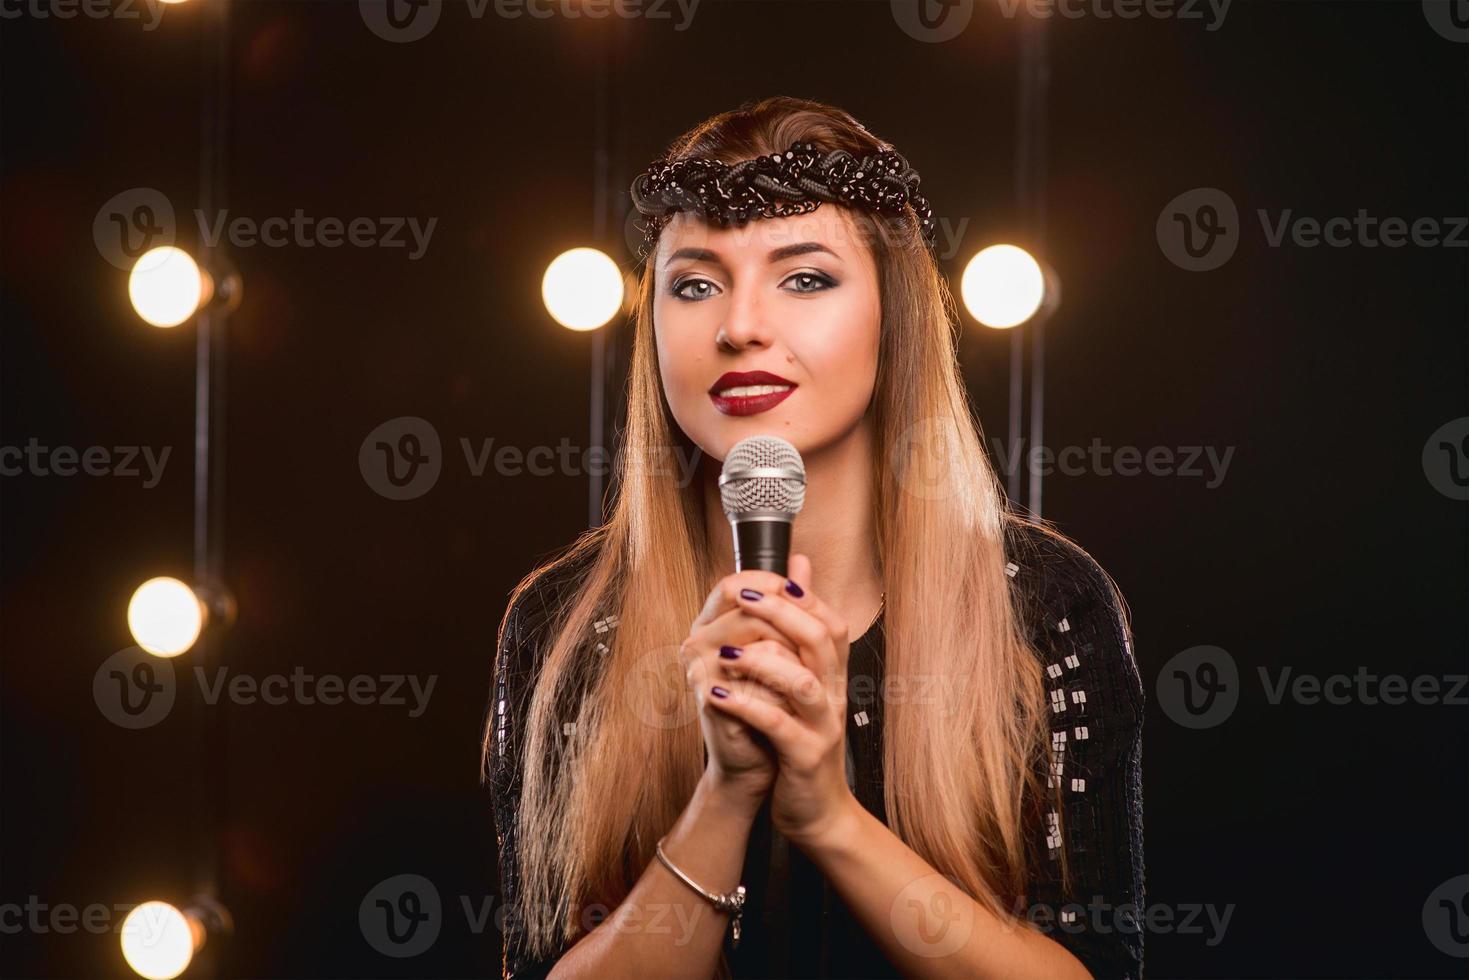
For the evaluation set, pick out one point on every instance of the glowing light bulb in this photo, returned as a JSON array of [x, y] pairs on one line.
[[1003, 286], [165, 616], [166, 286], [158, 940], [582, 289]]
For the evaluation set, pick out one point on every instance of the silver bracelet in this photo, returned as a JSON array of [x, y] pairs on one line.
[[734, 902]]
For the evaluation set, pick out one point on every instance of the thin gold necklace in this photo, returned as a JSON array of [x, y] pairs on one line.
[[881, 603]]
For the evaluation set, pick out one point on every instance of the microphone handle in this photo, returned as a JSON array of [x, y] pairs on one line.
[[762, 543], [765, 544]]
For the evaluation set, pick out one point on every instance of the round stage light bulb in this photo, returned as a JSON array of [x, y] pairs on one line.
[[165, 616], [582, 289], [158, 940], [166, 286], [1003, 286]]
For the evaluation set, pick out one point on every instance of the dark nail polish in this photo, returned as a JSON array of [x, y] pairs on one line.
[[751, 594], [794, 589], [719, 692], [728, 652]]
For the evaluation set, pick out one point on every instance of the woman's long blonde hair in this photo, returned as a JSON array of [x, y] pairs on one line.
[[958, 770]]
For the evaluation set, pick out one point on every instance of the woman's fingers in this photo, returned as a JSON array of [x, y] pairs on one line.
[[776, 669], [774, 723], [722, 597], [739, 628], [810, 636], [702, 675]]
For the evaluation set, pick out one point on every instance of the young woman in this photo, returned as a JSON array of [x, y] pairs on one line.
[[955, 771]]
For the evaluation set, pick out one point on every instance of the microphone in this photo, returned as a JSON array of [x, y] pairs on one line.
[[762, 488]]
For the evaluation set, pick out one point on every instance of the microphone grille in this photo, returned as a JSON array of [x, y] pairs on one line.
[[763, 475]]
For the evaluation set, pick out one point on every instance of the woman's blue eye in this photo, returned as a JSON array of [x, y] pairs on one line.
[[677, 289], [823, 283]]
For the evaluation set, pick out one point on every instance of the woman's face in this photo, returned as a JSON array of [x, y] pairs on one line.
[[795, 297]]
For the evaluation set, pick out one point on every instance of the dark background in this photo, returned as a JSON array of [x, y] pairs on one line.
[[1325, 547]]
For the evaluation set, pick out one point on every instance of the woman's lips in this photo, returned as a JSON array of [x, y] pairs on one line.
[[750, 404]]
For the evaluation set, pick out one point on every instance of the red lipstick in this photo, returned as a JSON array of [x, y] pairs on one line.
[[748, 404]]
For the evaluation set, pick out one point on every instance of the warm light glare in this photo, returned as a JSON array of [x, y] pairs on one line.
[[166, 286], [165, 616], [582, 289], [1003, 286], [158, 940]]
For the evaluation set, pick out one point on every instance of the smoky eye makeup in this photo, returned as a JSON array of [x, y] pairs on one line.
[[692, 287], [811, 281]]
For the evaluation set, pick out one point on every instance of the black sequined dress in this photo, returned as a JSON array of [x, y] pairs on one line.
[[803, 928]]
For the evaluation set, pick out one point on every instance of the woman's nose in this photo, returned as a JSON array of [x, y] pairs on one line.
[[744, 322]]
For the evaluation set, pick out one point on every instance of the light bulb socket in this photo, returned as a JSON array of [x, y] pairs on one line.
[[208, 917], [223, 287], [1051, 297], [220, 608]]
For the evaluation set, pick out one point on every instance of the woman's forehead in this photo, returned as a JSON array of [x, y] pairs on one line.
[[828, 224]]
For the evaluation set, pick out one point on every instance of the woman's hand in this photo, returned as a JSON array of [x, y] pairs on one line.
[[805, 662], [741, 762]]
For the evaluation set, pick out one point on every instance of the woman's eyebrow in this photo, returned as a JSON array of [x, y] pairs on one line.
[[776, 255]]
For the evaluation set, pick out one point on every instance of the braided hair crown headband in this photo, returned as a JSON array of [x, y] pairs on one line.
[[773, 185]]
